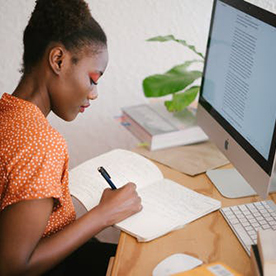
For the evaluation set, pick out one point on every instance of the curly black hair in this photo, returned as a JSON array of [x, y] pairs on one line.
[[66, 21]]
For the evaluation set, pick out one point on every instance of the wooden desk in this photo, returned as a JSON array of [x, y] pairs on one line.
[[208, 238]]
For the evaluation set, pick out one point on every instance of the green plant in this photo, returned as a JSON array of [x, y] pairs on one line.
[[177, 81]]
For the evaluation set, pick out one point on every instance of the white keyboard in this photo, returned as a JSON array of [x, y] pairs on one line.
[[245, 220]]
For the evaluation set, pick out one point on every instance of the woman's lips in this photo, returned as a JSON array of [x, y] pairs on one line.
[[83, 107]]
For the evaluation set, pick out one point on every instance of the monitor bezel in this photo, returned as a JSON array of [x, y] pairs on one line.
[[269, 18]]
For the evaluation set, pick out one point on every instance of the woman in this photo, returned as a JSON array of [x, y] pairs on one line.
[[65, 54]]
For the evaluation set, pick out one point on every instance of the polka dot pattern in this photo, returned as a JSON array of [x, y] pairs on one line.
[[33, 161]]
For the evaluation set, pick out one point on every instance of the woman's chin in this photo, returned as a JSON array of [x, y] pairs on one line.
[[67, 117]]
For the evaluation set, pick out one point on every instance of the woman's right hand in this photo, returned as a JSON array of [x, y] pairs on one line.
[[117, 205]]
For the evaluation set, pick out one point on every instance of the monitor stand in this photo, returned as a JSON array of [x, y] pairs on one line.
[[231, 184]]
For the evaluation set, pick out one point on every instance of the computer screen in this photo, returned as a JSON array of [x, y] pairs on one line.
[[237, 104]]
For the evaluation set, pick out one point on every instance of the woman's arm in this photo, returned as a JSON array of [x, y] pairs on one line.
[[23, 251]]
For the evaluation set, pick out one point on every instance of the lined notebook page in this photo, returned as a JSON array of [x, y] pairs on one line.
[[166, 206], [87, 185]]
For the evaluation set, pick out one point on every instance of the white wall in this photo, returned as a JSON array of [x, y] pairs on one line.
[[127, 23]]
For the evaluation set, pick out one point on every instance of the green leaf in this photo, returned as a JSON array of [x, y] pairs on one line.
[[171, 82], [172, 38], [182, 68], [161, 38], [181, 100]]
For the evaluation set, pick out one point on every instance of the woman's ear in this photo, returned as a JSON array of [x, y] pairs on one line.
[[57, 57]]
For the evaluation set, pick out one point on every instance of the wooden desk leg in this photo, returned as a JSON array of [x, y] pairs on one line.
[[110, 266]]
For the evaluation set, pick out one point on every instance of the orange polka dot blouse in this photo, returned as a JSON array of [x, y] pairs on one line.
[[33, 161]]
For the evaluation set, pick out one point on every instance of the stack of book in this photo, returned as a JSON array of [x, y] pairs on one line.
[[263, 254], [153, 125]]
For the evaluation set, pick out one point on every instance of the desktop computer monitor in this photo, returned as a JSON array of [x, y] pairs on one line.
[[237, 103]]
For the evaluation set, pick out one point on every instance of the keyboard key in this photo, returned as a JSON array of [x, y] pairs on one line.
[[249, 228], [253, 221], [262, 221], [230, 217], [265, 226], [234, 221], [243, 207], [245, 224], [266, 215], [242, 233], [241, 217], [227, 210], [251, 233], [247, 213], [257, 214], [252, 207]]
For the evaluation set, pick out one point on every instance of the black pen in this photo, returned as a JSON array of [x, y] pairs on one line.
[[107, 177]]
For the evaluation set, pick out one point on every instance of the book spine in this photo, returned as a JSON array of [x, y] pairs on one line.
[[136, 129]]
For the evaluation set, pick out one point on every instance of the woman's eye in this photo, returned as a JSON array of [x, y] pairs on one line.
[[93, 82]]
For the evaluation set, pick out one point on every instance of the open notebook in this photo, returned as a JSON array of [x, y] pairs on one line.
[[167, 205]]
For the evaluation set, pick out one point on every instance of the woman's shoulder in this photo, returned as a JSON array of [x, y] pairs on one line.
[[26, 126]]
